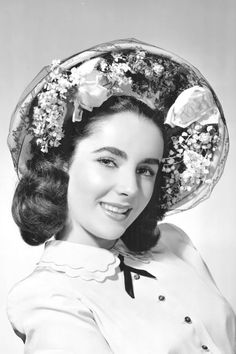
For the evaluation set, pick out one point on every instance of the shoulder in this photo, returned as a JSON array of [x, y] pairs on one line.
[[40, 283], [41, 289], [174, 237], [47, 314], [178, 242]]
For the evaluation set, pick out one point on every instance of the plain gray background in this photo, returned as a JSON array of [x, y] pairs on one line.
[[33, 32]]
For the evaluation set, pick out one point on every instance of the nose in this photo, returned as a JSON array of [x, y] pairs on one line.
[[127, 183]]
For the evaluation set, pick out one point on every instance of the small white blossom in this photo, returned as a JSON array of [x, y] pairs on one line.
[[158, 69]]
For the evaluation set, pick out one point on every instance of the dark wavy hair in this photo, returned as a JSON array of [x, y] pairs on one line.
[[39, 205]]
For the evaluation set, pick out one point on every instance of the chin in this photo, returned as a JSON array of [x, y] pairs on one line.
[[109, 233]]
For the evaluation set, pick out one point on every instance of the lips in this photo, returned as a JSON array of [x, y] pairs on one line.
[[116, 211]]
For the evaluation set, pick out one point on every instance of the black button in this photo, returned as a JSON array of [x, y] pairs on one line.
[[161, 297], [136, 276], [205, 347], [187, 319]]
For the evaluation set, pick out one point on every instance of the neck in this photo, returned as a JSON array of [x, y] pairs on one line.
[[71, 233]]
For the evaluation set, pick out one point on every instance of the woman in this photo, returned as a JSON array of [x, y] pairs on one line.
[[105, 144]]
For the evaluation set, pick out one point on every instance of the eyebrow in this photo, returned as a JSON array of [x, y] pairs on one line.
[[123, 155]]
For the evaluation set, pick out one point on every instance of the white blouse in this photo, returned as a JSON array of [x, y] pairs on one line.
[[75, 302]]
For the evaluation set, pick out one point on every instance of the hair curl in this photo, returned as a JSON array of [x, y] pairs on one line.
[[39, 205]]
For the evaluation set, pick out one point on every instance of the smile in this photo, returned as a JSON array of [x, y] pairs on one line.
[[115, 212]]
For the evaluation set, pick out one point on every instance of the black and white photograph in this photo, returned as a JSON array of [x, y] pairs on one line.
[[118, 177]]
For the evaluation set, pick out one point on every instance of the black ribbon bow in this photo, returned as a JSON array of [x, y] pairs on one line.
[[127, 275]]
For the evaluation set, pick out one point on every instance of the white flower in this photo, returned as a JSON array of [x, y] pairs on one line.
[[117, 72], [195, 104], [75, 76], [186, 175], [196, 161], [64, 84], [158, 69], [55, 63], [205, 138], [196, 170], [103, 64], [140, 55]]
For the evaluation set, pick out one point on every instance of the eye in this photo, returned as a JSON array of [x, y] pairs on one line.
[[107, 162], [146, 171]]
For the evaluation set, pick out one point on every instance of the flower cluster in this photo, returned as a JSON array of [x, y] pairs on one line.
[[49, 114], [135, 72], [189, 161], [80, 86], [88, 86]]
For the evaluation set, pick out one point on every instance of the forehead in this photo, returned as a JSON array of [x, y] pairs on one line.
[[127, 131]]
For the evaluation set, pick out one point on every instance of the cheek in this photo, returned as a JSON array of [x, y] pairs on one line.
[[87, 185]]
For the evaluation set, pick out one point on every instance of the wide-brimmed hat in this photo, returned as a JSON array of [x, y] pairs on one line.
[[198, 137]]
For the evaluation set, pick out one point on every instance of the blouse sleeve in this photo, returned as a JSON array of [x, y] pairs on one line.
[[53, 321]]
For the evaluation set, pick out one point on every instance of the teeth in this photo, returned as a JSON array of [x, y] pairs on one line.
[[115, 209]]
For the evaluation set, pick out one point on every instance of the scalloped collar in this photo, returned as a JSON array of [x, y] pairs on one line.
[[87, 262]]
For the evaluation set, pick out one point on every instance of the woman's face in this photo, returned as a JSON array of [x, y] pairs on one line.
[[112, 177]]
